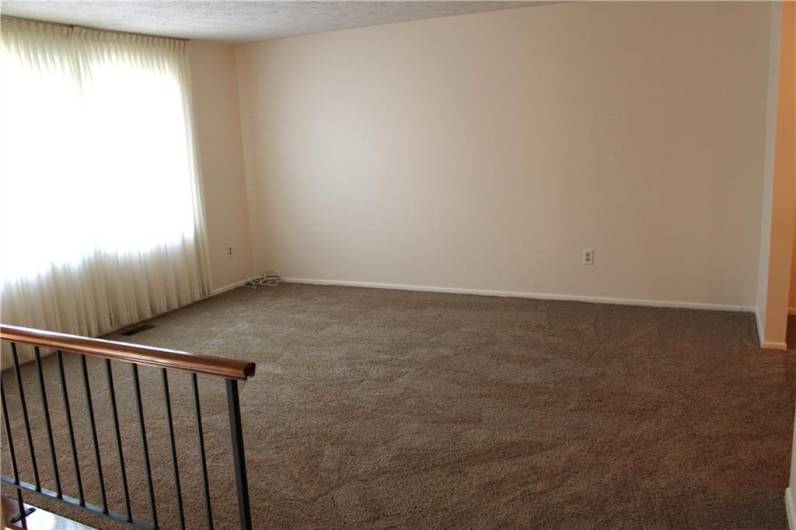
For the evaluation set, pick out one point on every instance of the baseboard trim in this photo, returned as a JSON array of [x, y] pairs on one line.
[[789, 509], [792, 310], [773, 345], [228, 287], [525, 294]]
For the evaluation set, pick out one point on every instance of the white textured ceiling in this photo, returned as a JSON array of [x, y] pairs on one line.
[[233, 21]]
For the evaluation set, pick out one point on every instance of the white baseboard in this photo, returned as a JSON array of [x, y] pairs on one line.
[[229, 287], [526, 294], [789, 509]]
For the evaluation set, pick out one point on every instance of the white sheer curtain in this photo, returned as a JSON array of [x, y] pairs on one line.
[[101, 222]]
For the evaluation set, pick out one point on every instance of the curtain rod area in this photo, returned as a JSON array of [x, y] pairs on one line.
[[67, 25]]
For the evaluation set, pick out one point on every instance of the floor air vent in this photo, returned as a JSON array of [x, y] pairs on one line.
[[136, 329]]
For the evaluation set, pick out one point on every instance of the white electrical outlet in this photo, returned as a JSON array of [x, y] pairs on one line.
[[588, 256]]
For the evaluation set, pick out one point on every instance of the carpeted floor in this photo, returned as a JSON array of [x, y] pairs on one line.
[[375, 408]]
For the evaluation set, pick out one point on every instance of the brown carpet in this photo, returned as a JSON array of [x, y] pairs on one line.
[[374, 408]]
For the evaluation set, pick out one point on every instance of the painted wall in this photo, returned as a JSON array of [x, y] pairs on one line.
[[792, 302], [789, 143], [779, 181], [792, 298], [487, 151], [217, 115]]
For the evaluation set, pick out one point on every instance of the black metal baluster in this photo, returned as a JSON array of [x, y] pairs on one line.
[[24, 405], [87, 387], [173, 447], [45, 404], [68, 408], [10, 436], [120, 450], [238, 455], [147, 465], [205, 482], [23, 517]]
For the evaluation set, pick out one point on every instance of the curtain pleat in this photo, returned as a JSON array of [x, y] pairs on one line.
[[101, 216]]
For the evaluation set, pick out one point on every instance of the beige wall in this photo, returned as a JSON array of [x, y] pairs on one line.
[[792, 298], [792, 302], [217, 115], [788, 140], [778, 196], [486, 151], [403, 241]]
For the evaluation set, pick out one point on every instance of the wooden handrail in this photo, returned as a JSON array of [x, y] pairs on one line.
[[130, 353]]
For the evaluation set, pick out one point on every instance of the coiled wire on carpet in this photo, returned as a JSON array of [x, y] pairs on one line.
[[269, 279]]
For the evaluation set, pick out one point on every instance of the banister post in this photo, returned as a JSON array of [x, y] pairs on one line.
[[238, 455]]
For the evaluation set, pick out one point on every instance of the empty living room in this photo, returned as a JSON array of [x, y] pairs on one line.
[[397, 264]]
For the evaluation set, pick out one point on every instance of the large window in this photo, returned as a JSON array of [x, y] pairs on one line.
[[100, 219]]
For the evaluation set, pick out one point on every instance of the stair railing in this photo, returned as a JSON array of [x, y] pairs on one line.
[[110, 352]]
